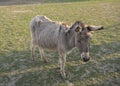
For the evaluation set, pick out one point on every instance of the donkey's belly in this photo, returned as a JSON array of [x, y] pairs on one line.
[[48, 46], [48, 43]]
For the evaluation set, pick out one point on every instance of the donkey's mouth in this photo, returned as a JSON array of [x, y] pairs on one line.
[[86, 59], [85, 56]]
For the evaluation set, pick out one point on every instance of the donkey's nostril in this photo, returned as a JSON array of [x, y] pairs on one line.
[[86, 59]]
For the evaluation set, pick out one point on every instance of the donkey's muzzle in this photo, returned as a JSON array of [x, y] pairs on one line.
[[85, 56], [86, 59]]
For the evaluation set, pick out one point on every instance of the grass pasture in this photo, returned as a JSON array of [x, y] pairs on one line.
[[16, 66]]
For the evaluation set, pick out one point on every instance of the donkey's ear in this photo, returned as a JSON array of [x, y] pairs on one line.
[[77, 29], [94, 28]]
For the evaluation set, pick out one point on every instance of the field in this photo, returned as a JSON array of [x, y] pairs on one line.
[[16, 66]]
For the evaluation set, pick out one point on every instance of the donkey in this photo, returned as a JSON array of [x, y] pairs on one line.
[[59, 37]]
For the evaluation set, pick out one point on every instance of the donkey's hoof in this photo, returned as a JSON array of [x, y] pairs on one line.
[[63, 75], [33, 59], [46, 61]]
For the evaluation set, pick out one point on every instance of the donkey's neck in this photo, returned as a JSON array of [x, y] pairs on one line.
[[70, 40]]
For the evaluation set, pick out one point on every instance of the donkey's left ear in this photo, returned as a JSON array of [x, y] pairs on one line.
[[94, 28], [77, 29]]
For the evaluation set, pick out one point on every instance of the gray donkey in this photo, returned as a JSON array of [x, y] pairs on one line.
[[50, 35]]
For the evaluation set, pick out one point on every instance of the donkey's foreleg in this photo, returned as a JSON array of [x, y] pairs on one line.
[[62, 60]]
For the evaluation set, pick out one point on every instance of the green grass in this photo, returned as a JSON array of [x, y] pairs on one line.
[[17, 68]]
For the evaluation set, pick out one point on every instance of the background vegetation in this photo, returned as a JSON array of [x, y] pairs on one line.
[[16, 66]]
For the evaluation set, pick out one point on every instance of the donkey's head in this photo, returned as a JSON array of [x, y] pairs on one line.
[[83, 36]]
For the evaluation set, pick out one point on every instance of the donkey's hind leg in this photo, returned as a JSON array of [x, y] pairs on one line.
[[33, 47], [42, 55]]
